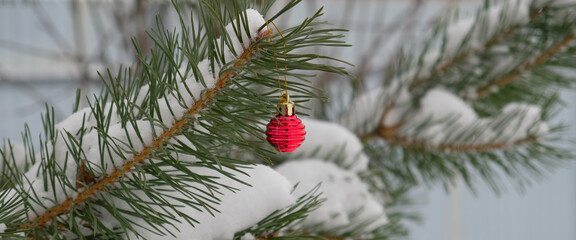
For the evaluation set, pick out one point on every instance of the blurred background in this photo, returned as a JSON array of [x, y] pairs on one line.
[[48, 49]]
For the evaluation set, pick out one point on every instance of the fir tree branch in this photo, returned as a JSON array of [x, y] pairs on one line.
[[139, 158], [544, 57]]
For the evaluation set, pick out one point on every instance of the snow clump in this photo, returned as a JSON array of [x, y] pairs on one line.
[[323, 137], [265, 191], [443, 117], [348, 202]]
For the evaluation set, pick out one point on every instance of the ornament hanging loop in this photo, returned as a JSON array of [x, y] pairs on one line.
[[276, 62], [286, 107], [285, 131]]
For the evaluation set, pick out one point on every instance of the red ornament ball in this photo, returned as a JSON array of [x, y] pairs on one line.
[[285, 133]]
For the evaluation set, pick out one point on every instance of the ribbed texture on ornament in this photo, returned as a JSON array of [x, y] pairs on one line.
[[286, 133]]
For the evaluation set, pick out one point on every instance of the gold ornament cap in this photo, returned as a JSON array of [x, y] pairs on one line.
[[285, 107]]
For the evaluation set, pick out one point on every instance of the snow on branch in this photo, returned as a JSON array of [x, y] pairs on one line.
[[506, 41], [382, 106], [323, 137], [464, 39], [445, 122], [257, 193], [349, 206], [332, 159], [475, 96], [476, 56], [15, 157], [133, 142]]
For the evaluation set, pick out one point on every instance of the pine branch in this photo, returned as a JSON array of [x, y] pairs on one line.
[[277, 222], [453, 105], [160, 145], [140, 157], [466, 54], [480, 52], [391, 135], [544, 57]]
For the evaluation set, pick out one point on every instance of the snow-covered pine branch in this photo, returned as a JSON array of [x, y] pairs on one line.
[[507, 49], [129, 143], [331, 161], [157, 153], [445, 122], [475, 97]]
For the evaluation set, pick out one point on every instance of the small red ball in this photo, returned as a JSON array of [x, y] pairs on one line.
[[286, 133]]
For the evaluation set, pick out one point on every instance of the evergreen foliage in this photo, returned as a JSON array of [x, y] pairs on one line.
[[147, 149], [471, 102]]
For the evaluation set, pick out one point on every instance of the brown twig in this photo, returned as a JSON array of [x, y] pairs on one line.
[[140, 157], [390, 134], [381, 127], [442, 67], [393, 137], [482, 91]]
